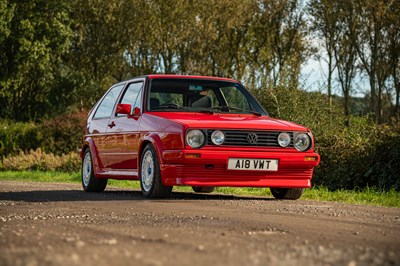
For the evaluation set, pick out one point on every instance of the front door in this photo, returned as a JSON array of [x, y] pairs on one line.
[[123, 134], [97, 127]]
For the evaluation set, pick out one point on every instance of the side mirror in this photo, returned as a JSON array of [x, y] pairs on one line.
[[124, 109], [136, 113]]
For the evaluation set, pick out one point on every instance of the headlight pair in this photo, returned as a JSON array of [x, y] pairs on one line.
[[301, 141], [196, 138]]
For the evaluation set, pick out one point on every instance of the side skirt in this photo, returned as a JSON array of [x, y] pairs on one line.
[[118, 174]]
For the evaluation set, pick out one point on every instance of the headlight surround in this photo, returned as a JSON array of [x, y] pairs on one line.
[[195, 138], [284, 139], [218, 137], [302, 141]]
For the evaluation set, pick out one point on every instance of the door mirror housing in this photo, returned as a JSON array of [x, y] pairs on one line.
[[136, 113], [124, 109]]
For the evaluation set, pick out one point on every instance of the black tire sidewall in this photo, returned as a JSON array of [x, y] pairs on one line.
[[279, 193], [95, 184]]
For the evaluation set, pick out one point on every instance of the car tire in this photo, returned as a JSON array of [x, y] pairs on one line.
[[150, 177], [287, 193], [203, 189], [90, 182]]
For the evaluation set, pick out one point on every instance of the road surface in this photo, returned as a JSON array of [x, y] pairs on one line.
[[59, 224]]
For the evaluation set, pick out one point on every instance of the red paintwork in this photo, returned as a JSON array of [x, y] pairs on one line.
[[116, 149], [229, 121]]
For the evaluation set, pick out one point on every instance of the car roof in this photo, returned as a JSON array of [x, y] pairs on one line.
[[172, 76], [176, 76]]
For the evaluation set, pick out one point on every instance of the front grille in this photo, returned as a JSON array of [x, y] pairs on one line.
[[241, 138]]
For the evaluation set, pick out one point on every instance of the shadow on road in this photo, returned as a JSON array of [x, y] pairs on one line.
[[78, 195]]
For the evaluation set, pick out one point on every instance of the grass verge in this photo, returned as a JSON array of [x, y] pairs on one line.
[[368, 196]]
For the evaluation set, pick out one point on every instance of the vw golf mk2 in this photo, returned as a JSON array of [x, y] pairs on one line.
[[203, 132]]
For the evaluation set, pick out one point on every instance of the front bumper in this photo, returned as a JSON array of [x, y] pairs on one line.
[[295, 169]]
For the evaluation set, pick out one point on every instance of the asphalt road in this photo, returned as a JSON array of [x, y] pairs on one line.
[[59, 224]]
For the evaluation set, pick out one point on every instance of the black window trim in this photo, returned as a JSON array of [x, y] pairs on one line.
[[253, 102], [123, 84], [124, 91]]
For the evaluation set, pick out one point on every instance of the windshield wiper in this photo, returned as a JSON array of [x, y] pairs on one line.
[[168, 106], [228, 108], [256, 113], [222, 108]]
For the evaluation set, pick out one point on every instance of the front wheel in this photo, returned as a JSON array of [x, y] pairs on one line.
[[287, 193], [90, 182], [150, 177]]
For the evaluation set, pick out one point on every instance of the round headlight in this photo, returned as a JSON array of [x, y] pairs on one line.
[[284, 139], [302, 141], [218, 137], [195, 138]]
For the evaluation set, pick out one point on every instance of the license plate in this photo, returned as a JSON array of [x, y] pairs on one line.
[[252, 164]]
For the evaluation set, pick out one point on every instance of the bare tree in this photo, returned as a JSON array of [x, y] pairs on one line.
[[345, 53], [325, 24], [369, 38], [393, 28]]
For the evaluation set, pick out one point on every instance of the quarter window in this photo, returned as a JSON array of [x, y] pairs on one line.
[[133, 95], [107, 105]]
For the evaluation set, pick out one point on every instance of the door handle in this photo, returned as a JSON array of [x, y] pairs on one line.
[[111, 125]]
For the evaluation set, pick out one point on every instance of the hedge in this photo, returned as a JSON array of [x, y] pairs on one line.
[[361, 155]]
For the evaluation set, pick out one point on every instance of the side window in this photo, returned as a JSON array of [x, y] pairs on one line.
[[107, 105], [133, 94]]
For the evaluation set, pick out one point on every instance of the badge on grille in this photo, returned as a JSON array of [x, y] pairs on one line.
[[252, 138]]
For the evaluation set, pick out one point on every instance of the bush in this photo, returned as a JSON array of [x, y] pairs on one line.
[[40, 161], [63, 133], [59, 135], [361, 155], [18, 136]]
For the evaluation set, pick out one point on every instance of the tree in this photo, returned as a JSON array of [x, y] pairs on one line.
[[325, 24], [368, 36], [393, 31], [277, 45], [345, 53], [37, 37]]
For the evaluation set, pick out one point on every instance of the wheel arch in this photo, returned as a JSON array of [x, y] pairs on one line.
[[154, 140], [89, 144]]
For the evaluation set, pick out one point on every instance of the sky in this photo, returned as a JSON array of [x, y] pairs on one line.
[[313, 78]]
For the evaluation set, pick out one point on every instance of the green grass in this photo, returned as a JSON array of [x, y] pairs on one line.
[[368, 196]]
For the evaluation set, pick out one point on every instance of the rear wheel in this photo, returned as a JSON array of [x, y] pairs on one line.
[[150, 177], [90, 182], [203, 189], [287, 193]]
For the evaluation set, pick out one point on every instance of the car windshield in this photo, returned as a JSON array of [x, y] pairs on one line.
[[190, 95]]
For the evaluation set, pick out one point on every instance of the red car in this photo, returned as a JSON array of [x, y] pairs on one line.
[[204, 132]]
